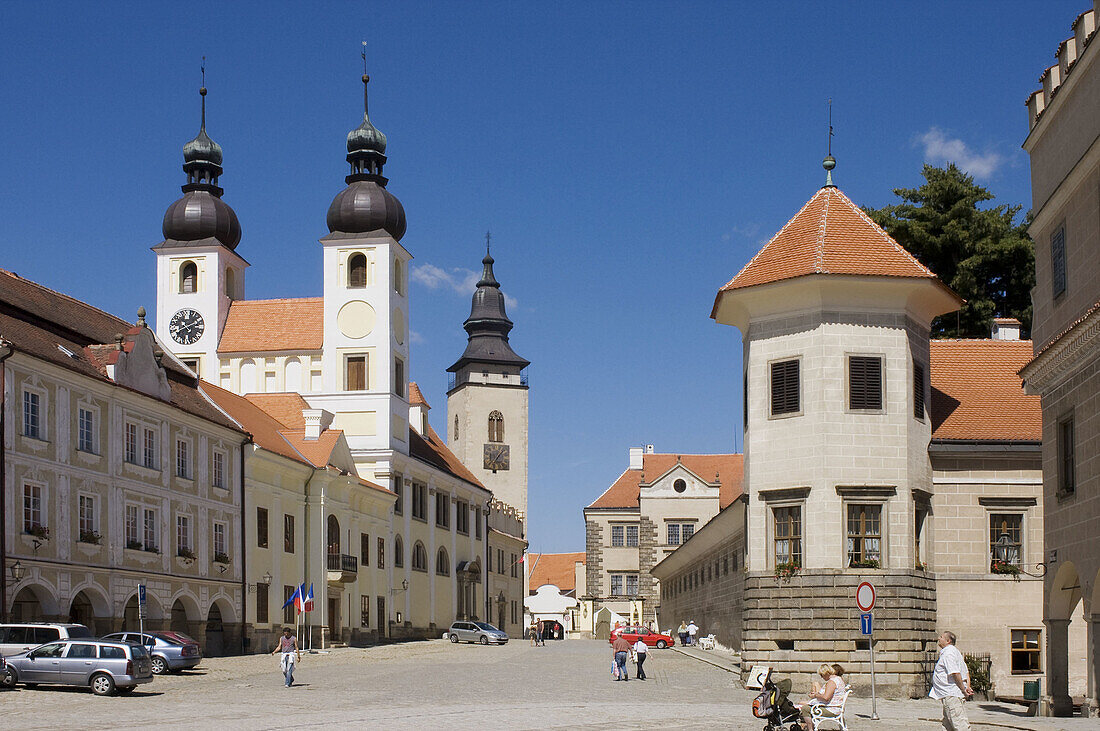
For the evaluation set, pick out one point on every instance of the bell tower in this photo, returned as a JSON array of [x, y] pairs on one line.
[[487, 402], [199, 272]]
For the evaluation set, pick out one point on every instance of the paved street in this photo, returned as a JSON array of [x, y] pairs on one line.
[[436, 684]]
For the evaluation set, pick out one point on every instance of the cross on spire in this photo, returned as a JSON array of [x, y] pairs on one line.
[[488, 238]]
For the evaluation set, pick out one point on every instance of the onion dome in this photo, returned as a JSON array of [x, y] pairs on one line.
[[201, 214], [365, 205], [488, 325]]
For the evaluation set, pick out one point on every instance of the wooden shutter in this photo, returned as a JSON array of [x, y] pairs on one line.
[[357, 373], [785, 396], [918, 390], [864, 382], [1058, 261]]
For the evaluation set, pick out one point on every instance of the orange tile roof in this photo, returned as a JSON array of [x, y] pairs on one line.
[[267, 326], [284, 407], [977, 393], [830, 235], [554, 568], [415, 397], [728, 468], [264, 428], [431, 449]]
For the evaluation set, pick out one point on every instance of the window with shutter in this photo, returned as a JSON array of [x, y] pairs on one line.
[[1058, 261], [785, 390], [356, 376], [1067, 483], [864, 382], [918, 391]]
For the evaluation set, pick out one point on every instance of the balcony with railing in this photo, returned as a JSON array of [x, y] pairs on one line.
[[342, 568]]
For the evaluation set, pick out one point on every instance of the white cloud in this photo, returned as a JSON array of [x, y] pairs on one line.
[[458, 280], [939, 148], [416, 338]]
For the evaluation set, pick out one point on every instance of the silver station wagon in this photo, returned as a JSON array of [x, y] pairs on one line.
[[482, 632], [105, 667], [169, 651]]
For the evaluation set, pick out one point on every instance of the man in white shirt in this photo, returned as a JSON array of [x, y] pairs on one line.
[[951, 684], [693, 629], [640, 650]]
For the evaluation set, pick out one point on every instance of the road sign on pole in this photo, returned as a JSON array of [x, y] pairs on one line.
[[865, 600], [865, 596], [141, 608], [865, 623]]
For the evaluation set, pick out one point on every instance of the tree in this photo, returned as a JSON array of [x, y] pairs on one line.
[[981, 253]]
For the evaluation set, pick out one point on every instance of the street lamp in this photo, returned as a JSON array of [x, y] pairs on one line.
[[265, 579], [18, 571], [404, 584], [1006, 553]]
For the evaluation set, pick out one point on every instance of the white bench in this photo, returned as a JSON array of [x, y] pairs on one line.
[[817, 716], [707, 643]]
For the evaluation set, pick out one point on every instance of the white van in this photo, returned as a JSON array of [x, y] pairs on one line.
[[17, 637]]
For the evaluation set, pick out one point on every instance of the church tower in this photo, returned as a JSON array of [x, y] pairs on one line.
[[487, 401], [198, 270], [366, 305]]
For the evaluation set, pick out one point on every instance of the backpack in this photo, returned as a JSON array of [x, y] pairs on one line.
[[762, 705]]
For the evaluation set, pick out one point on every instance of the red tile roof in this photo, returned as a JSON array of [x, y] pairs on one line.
[[727, 468], [415, 397], [285, 407], [268, 326], [830, 235], [977, 393], [431, 449], [554, 568]]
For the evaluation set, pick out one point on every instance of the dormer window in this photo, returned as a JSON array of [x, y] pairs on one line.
[[357, 271], [189, 277]]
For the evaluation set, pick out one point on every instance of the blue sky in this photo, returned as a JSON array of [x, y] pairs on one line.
[[629, 158]]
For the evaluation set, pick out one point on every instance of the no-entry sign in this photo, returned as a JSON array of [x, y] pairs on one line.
[[865, 596]]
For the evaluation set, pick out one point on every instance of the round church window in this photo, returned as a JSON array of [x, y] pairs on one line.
[[679, 486]]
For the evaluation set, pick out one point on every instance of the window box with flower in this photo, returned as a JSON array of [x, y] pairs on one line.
[[40, 532], [867, 563], [90, 536], [786, 571], [220, 557], [1004, 567], [186, 553], [135, 545]]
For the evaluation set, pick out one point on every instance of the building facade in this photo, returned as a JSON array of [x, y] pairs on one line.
[[859, 466], [117, 472], [1062, 141], [651, 509]]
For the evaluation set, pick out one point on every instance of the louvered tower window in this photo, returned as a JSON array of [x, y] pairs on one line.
[[864, 382], [918, 391], [785, 390]]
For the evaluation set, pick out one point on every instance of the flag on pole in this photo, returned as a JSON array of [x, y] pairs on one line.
[[300, 594], [308, 601], [293, 598]]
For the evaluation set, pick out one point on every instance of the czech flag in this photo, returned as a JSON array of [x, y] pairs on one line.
[[294, 598], [307, 600]]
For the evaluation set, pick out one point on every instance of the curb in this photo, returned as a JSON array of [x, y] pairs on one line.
[[706, 660]]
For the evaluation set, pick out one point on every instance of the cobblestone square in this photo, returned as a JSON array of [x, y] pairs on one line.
[[436, 684]]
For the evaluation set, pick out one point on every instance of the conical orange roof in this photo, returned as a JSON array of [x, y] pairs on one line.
[[830, 235]]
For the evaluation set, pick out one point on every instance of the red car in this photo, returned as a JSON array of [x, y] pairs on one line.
[[649, 637]]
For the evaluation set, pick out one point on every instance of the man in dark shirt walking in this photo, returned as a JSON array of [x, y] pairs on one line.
[[621, 648]]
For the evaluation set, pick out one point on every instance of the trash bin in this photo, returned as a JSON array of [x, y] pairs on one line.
[[1031, 689]]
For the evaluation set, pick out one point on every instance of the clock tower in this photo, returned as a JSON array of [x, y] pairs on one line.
[[487, 402], [198, 270]]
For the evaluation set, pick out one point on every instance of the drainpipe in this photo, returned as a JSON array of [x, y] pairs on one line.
[[8, 351], [244, 549]]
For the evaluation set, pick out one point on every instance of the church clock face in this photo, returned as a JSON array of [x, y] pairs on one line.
[[186, 326], [496, 457]]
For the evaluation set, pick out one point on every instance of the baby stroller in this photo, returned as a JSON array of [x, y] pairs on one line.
[[774, 706]]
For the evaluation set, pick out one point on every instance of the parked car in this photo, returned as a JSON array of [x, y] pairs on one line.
[[169, 651], [17, 637], [105, 667], [632, 634], [482, 632]]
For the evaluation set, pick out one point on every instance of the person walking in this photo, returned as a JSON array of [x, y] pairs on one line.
[[620, 648], [693, 630], [683, 632], [532, 631], [288, 647], [951, 683], [538, 634], [640, 650]]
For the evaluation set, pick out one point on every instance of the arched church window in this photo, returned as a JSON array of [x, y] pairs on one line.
[[442, 563], [419, 557], [230, 284], [496, 427], [397, 277], [189, 277], [456, 428], [357, 270], [398, 552], [333, 536]]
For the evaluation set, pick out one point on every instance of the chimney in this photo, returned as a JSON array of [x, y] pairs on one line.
[[317, 420], [635, 458], [1006, 328], [649, 449]]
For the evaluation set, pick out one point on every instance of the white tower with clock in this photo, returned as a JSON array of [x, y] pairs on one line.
[[487, 403], [198, 270]]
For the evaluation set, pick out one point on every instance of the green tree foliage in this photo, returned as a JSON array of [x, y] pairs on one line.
[[981, 253]]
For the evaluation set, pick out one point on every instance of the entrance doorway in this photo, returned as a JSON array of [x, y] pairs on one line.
[[215, 633], [334, 619], [383, 620]]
